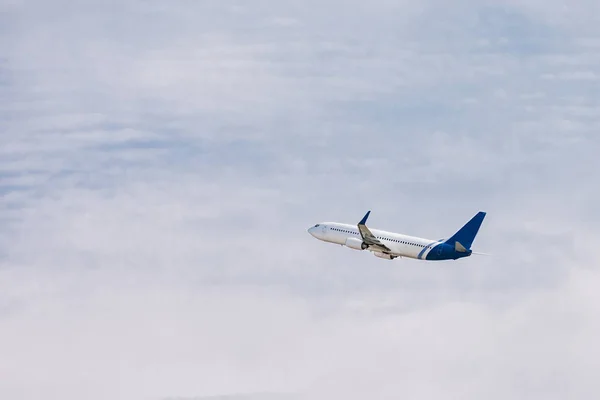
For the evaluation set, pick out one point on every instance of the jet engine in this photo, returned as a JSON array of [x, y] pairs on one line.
[[383, 255], [355, 244]]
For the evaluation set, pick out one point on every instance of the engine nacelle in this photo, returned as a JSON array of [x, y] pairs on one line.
[[383, 255], [355, 244]]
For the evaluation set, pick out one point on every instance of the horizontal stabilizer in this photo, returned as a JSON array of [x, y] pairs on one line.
[[459, 247]]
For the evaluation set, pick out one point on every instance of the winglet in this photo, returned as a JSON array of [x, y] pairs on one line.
[[364, 220]]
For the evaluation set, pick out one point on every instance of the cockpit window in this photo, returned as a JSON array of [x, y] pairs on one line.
[[317, 225]]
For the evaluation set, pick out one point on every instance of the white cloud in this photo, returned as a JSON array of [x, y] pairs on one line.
[[135, 342], [160, 163]]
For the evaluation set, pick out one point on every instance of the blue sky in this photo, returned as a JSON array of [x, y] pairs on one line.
[[160, 163]]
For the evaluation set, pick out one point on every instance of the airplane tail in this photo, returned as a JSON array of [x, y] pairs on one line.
[[463, 239]]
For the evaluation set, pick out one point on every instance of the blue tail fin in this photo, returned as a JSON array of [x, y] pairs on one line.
[[467, 233]]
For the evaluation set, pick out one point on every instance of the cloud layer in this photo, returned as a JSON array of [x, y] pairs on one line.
[[161, 161]]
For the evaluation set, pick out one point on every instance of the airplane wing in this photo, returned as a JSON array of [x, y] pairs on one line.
[[368, 237]]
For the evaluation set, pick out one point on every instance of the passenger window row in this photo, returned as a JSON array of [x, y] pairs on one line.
[[382, 238]]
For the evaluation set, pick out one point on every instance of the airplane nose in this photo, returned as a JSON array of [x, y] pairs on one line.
[[311, 230]]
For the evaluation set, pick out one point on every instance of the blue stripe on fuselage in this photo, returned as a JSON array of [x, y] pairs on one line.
[[424, 250], [433, 254]]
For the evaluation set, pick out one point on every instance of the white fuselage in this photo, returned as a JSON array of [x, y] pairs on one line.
[[400, 245]]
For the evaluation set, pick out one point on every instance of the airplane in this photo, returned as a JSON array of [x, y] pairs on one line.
[[389, 245]]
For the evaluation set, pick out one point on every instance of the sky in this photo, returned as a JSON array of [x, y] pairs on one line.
[[161, 161]]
